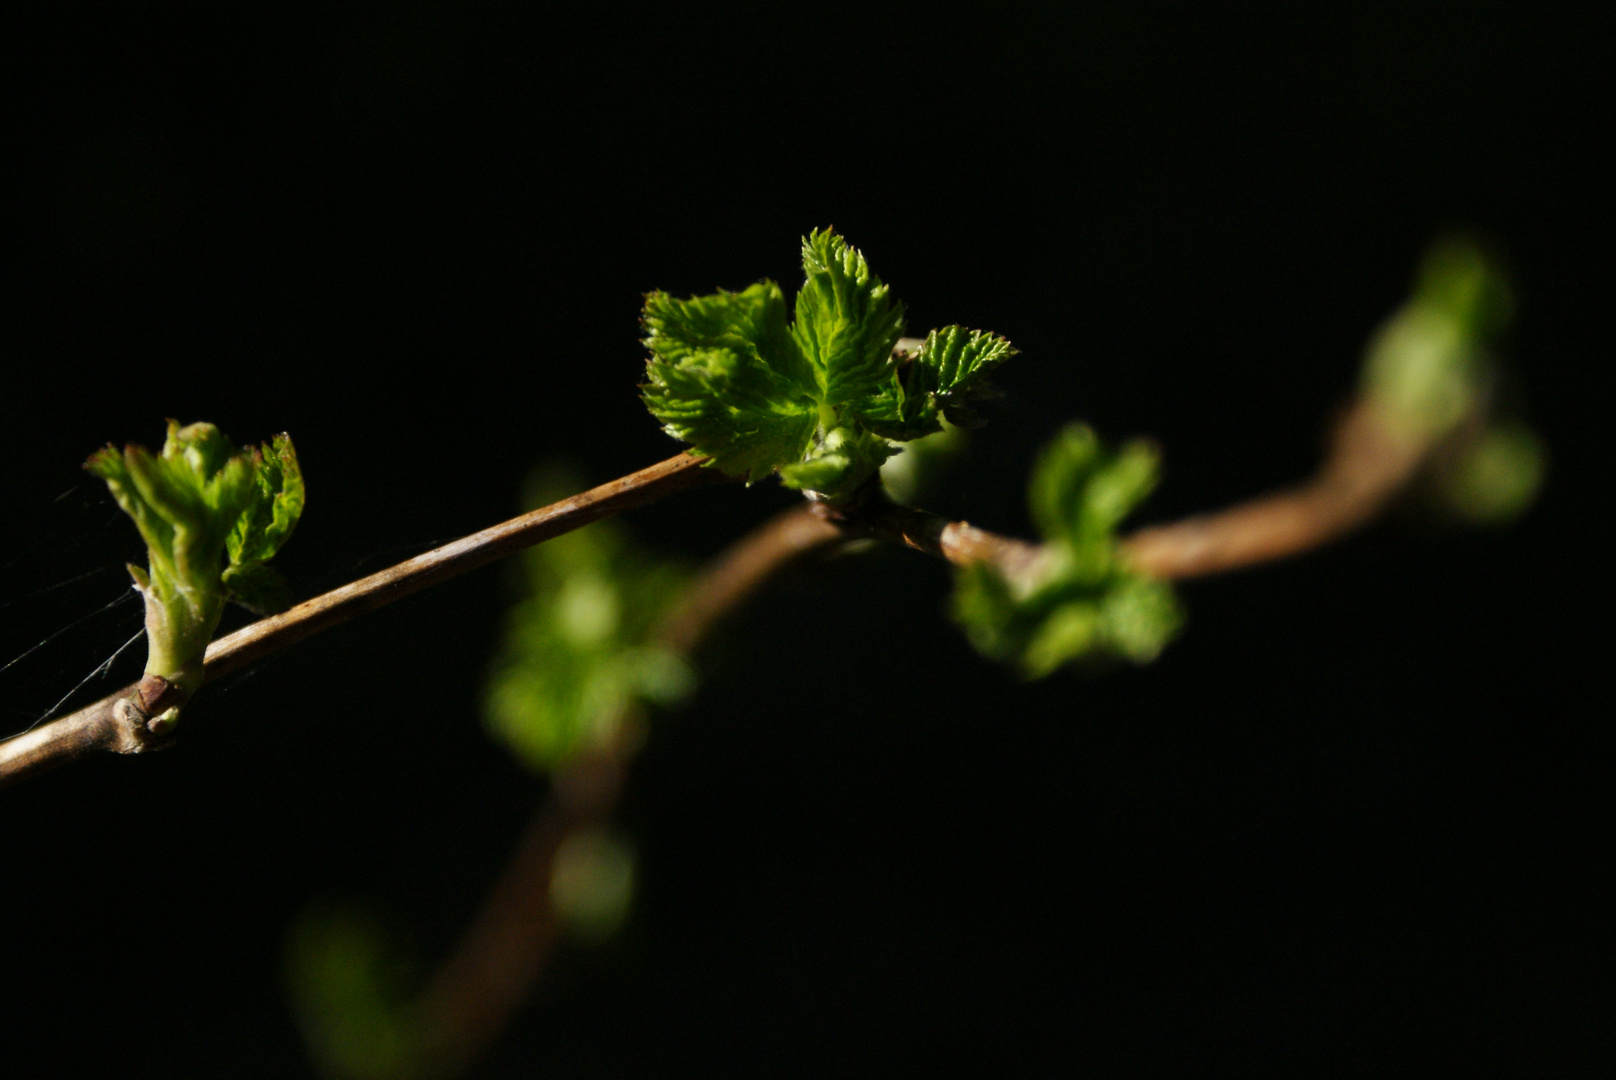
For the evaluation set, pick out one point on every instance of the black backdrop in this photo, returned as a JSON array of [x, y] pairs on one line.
[[1353, 821]]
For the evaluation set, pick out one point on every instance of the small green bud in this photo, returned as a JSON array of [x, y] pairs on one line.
[[211, 515], [1498, 477], [1427, 362]]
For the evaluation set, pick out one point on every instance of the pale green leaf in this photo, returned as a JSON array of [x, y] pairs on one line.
[[726, 376], [847, 320], [1427, 365], [196, 500]]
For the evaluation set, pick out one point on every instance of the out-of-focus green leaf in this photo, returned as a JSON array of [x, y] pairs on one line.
[[592, 882], [1498, 476], [918, 464], [1427, 363], [348, 986], [1081, 600], [1430, 369], [576, 658]]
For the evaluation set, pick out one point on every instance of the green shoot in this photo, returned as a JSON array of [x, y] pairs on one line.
[[1428, 363], [211, 516], [821, 399], [1429, 366]]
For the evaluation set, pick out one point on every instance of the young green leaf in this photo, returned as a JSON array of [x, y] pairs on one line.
[[847, 320], [819, 400], [1081, 599], [944, 379], [197, 502], [268, 520], [576, 659], [726, 376], [1430, 370]]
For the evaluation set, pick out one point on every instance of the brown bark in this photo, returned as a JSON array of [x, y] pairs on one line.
[[1369, 462]]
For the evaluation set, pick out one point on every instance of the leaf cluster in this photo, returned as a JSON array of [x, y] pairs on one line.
[[211, 516], [820, 398], [1081, 599], [576, 657], [1430, 368]]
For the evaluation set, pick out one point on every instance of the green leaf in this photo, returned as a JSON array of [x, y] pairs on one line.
[[1078, 493], [349, 983], [269, 519], [819, 400], [945, 378], [847, 320], [1080, 601], [726, 376], [576, 659]]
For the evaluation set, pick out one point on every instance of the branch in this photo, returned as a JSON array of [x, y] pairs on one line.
[[124, 721], [1369, 462], [506, 945]]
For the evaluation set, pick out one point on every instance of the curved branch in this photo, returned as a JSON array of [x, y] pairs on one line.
[[123, 721], [505, 947], [1371, 459]]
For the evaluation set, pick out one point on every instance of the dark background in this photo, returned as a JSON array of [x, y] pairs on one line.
[[1353, 822]]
